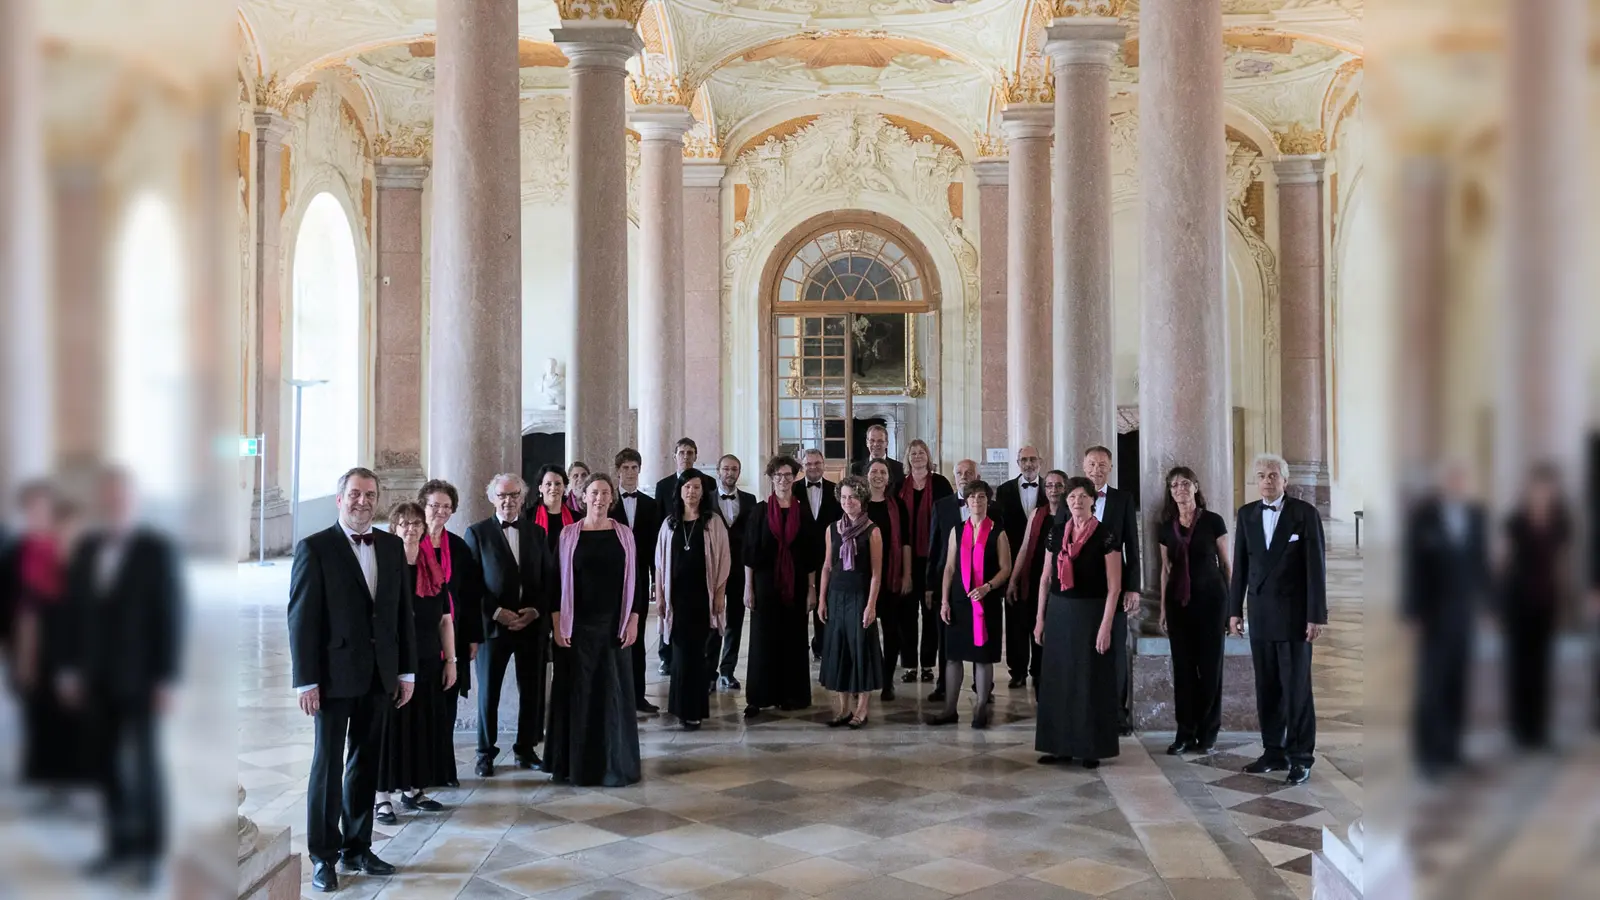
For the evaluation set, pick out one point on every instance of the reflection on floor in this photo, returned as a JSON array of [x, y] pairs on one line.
[[788, 808]]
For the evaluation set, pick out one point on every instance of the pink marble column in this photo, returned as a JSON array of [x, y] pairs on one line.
[[702, 306], [1422, 261], [475, 329], [1083, 407], [397, 376], [1302, 308], [597, 375], [81, 321], [1028, 326], [1185, 411], [661, 277], [26, 433], [993, 213], [1548, 164]]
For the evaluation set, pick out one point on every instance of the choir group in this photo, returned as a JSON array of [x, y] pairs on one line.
[[891, 567]]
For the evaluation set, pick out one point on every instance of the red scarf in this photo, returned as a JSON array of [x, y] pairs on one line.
[[921, 510], [1035, 533], [785, 526], [433, 571], [39, 568], [542, 519], [1073, 544]]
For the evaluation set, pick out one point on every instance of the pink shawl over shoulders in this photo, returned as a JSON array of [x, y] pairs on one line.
[[568, 546]]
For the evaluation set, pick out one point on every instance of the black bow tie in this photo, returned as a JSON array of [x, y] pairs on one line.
[[1030, 484], [729, 496], [504, 525], [813, 484], [363, 538], [630, 495], [1277, 508]]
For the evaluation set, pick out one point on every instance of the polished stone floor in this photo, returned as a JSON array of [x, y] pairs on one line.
[[788, 808]]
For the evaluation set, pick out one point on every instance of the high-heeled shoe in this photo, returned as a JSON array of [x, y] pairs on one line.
[[842, 720], [855, 723], [943, 719]]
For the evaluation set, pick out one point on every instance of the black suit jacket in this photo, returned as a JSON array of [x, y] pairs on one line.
[[668, 486], [646, 526], [1121, 516], [1009, 510], [502, 577], [830, 511], [132, 642], [736, 536], [1444, 573], [339, 633], [946, 518], [897, 472], [1285, 584]]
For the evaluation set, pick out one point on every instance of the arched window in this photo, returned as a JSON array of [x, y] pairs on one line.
[[850, 265], [151, 409], [327, 345]]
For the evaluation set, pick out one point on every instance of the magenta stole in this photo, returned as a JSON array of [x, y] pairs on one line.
[[972, 572]]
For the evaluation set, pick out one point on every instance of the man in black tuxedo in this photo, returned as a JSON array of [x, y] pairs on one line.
[[642, 515], [684, 454], [352, 642], [519, 576], [1279, 567], [878, 449], [1015, 499], [736, 508], [822, 496], [948, 514], [1118, 510], [125, 584], [1445, 574]]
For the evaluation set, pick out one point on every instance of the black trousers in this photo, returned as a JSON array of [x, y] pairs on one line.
[[1530, 634], [1438, 715], [1197, 637], [1283, 700], [494, 654], [344, 779], [816, 634], [892, 610], [128, 774], [638, 662], [919, 648], [722, 655], [1022, 654], [1119, 646]]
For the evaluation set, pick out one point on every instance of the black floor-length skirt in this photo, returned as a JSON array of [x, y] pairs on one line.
[[414, 753], [852, 657], [1078, 707], [593, 738], [687, 697], [779, 668]]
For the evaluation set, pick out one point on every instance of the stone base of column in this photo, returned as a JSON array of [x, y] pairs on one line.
[[400, 482], [279, 541], [269, 871], [1337, 869], [1152, 686], [1310, 482]]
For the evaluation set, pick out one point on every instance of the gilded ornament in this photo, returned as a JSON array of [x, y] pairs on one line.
[[405, 142], [989, 145], [1300, 141], [1033, 83], [659, 90], [701, 146], [601, 10], [272, 93], [1110, 9]]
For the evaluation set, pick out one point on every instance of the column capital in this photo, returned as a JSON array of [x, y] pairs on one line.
[[1300, 141], [605, 46], [1300, 169], [404, 141], [272, 127], [661, 122], [1027, 122], [993, 172], [623, 11], [1087, 9], [1078, 42], [703, 174], [401, 174]]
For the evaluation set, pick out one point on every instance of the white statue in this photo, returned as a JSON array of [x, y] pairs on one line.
[[553, 385]]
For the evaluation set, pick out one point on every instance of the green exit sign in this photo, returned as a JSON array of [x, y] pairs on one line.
[[249, 446]]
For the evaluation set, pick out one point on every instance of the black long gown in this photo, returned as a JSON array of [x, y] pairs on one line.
[[960, 637], [691, 624], [1196, 630], [852, 660], [925, 645], [1078, 708], [779, 668], [593, 737], [465, 588], [891, 603], [413, 751]]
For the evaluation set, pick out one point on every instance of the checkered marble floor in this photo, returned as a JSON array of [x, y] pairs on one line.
[[786, 808]]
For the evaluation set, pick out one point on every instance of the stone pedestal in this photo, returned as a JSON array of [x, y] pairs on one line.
[[1152, 686], [1027, 351], [1302, 311], [268, 870], [1337, 869], [993, 202]]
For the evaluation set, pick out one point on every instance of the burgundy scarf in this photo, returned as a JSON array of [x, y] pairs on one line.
[[1072, 545], [1030, 541], [39, 568], [892, 548], [1178, 581], [921, 510], [433, 570], [785, 526]]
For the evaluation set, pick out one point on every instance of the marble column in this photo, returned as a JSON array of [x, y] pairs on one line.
[[661, 281], [397, 375], [993, 212], [1185, 410], [268, 397], [1083, 407], [475, 327], [1028, 370], [1301, 311], [1542, 411], [597, 375], [82, 321], [1422, 264], [702, 308], [26, 432]]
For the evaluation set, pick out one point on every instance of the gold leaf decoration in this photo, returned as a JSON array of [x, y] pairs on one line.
[[273, 94], [1068, 9], [701, 146], [1033, 83], [405, 142], [600, 10], [659, 90], [865, 49], [989, 145], [1300, 141]]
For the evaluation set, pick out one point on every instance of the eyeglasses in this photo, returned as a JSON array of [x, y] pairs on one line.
[[782, 476], [1182, 482], [440, 507], [509, 495]]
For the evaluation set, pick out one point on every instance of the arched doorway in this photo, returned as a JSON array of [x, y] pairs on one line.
[[853, 299], [327, 347]]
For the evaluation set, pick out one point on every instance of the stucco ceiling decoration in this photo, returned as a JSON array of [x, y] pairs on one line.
[[1257, 53], [821, 50]]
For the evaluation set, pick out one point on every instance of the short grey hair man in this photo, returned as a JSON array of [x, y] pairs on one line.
[[1271, 461], [498, 483]]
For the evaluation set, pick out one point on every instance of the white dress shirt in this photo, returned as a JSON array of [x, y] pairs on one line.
[[1100, 506], [367, 558], [1270, 513], [109, 561], [630, 506], [1030, 494], [729, 504], [814, 494]]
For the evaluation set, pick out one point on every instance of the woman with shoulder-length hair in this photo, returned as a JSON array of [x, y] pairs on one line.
[[1194, 607], [852, 582], [977, 569], [781, 551], [594, 736], [919, 491], [449, 559], [692, 565]]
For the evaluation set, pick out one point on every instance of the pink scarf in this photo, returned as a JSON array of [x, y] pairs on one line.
[[568, 545], [972, 547], [1074, 544]]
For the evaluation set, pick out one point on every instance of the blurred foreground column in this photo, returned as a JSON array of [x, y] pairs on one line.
[[26, 431]]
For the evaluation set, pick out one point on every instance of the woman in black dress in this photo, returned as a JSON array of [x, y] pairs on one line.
[[552, 512], [1535, 579], [463, 586], [781, 557], [593, 738], [1194, 608], [919, 491], [413, 753], [894, 531], [692, 564], [1029, 564], [1078, 707], [577, 477], [977, 567], [853, 562]]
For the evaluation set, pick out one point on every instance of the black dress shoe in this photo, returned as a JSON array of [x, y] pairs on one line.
[[888, 691], [730, 683], [1125, 731], [453, 783], [927, 676], [1091, 764], [484, 768], [646, 707], [1017, 682], [1181, 745], [1203, 748], [980, 717], [365, 862], [383, 814], [323, 878], [663, 669], [943, 719], [691, 725], [1053, 760], [910, 677], [530, 761], [1264, 765], [1298, 775], [937, 696], [421, 803], [750, 712]]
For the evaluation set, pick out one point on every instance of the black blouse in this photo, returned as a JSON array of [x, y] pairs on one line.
[[761, 545], [1089, 568], [1205, 570]]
